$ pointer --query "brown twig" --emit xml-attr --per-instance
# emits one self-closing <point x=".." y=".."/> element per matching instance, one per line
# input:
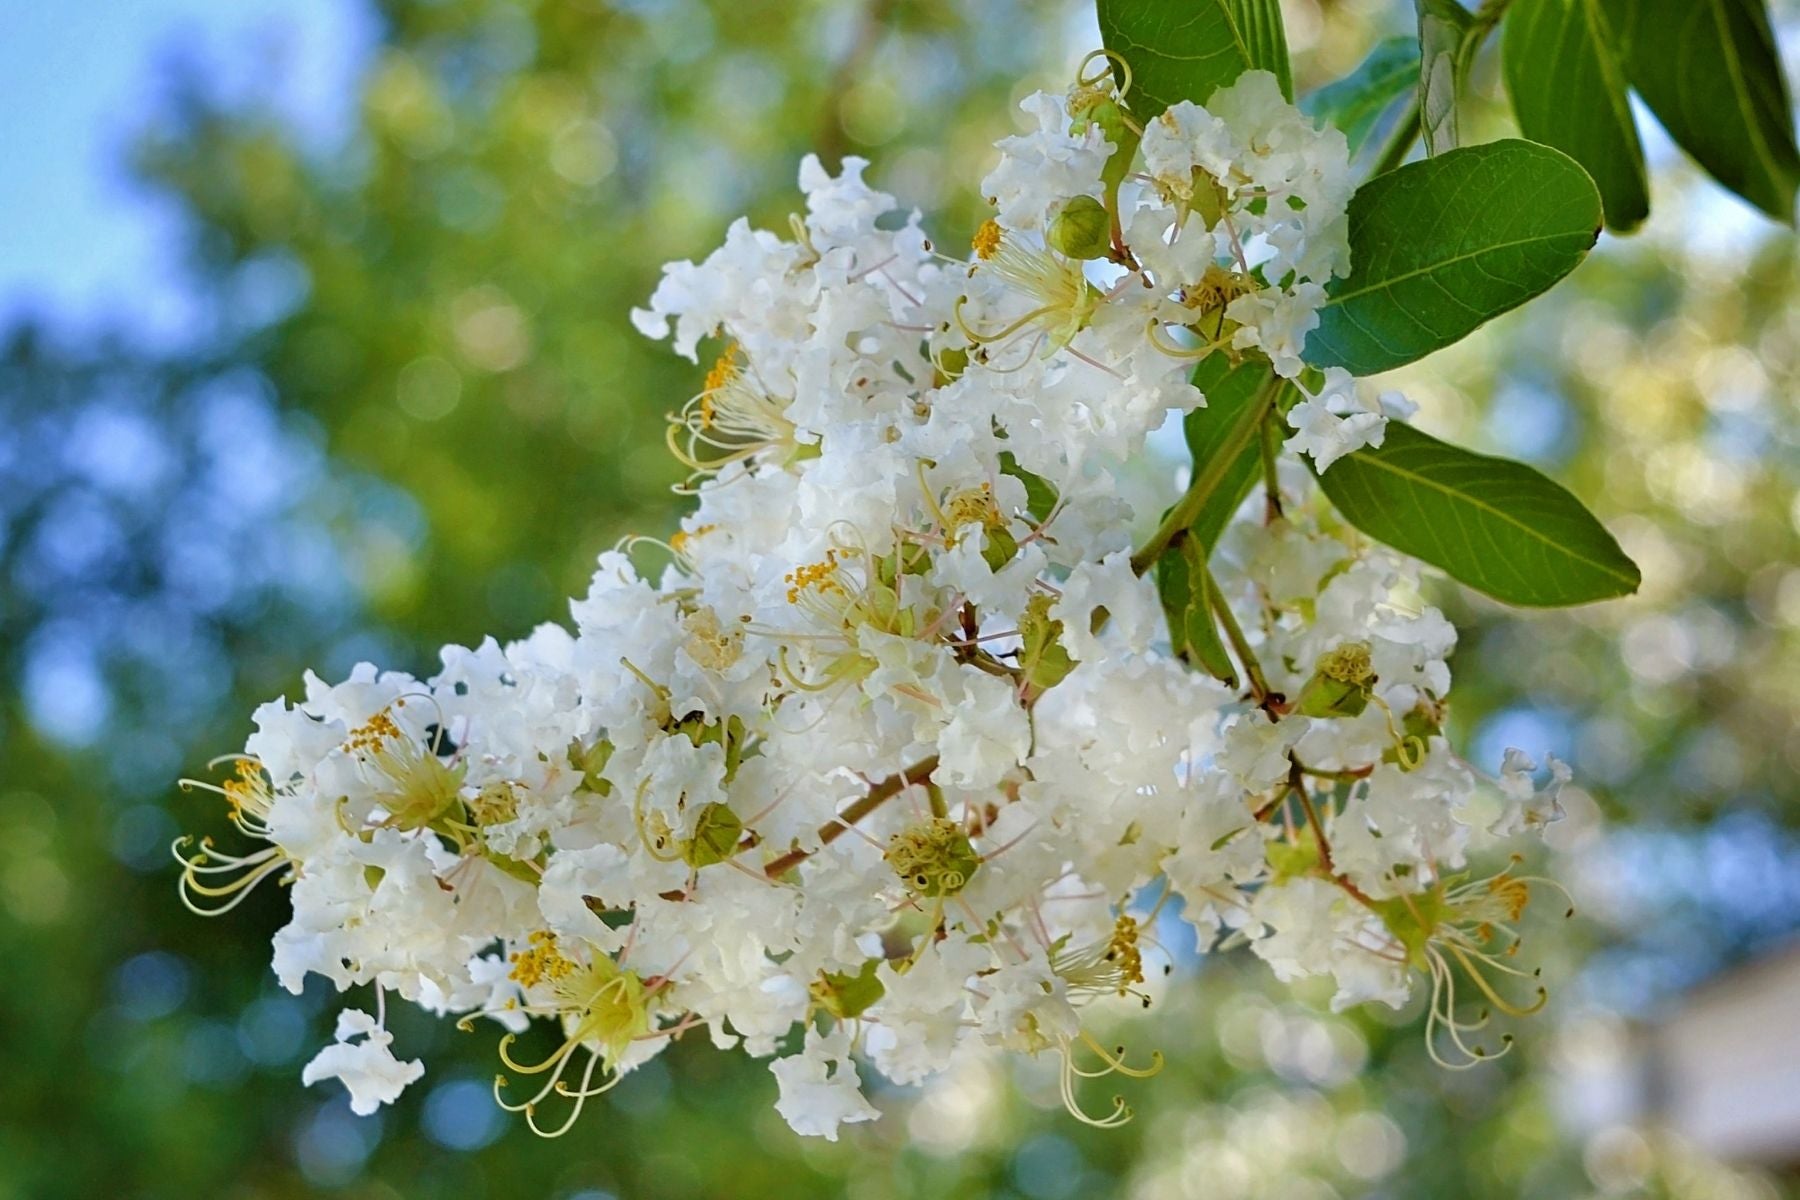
<point x="1297" y="784"/>
<point x="877" y="795"/>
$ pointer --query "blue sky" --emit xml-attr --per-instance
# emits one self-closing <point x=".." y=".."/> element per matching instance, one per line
<point x="79" y="244"/>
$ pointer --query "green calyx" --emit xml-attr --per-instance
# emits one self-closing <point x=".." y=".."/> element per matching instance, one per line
<point x="728" y="733"/>
<point x="1042" y="657"/>
<point x="1295" y="859"/>
<point x="591" y="762"/>
<point x="1412" y="920"/>
<point x="1417" y="728"/>
<point x="933" y="859"/>
<point x="1341" y="684"/>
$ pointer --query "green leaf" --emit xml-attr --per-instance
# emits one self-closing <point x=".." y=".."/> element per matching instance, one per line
<point x="1182" y="580"/>
<point x="1501" y="527"/>
<point x="847" y="996"/>
<point x="1442" y="245"/>
<point x="1040" y="493"/>
<point x="1568" y="91"/>
<point x="1042" y="656"/>
<point x="1188" y="49"/>
<point x="1710" y="72"/>
<point x="1445" y="47"/>
<point x="1354" y="104"/>
<point x="1185" y="587"/>
<point x="1229" y="391"/>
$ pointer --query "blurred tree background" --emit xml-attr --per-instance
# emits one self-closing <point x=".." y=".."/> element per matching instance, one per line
<point x="418" y="412"/>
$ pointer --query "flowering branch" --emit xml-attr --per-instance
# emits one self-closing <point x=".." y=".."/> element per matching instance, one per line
<point x="894" y="465"/>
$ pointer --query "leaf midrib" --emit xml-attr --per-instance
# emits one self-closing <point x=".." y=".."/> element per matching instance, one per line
<point x="1368" y="460"/>
<point x="1443" y="263"/>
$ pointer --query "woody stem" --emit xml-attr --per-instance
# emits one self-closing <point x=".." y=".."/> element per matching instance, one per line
<point x="877" y="795"/>
<point x="1240" y="645"/>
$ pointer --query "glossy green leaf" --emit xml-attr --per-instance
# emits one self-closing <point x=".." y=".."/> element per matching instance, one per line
<point x="1499" y="526"/>
<point x="1444" y="49"/>
<point x="1040" y="493"/>
<point x="1185" y="587"/>
<point x="1439" y="246"/>
<point x="1187" y="49"/>
<point x="1354" y="104"/>
<point x="1710" y="71"/>
<point x="1217" y="431"/>
<point x="1568" y="91"/>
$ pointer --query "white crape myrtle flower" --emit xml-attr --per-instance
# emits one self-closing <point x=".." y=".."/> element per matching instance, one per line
<point x="1528" y="806"/>
<point x="819" y="1087"/>
<point x="1338" y="417"/>
<point x="890" y="742"/>
<point x="1044" y="169"/>
<point x="1265" y="194"/>
<point x="367" y="1068"/>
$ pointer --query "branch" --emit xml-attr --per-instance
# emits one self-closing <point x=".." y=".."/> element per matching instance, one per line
<point x="1268" y="437"/>
<point x="1207" y="481"/>
<point x="877" y="795"/>
<point x="1273" y="703"/>
<point x="1297" y="785"/>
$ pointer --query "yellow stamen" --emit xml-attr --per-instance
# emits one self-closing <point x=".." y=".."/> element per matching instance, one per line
<point x="987" y="239"/>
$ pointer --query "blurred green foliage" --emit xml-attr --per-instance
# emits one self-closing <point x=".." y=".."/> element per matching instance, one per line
<point x="418" y="414"/>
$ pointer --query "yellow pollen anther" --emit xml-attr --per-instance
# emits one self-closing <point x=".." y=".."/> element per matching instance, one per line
<point x="819" y="576"/>
<point x="373" y="732"/>
<point x="709" y="643"/>
<point x="987" y="239"/>
<point x="1347" y="664"/>
<point x="540" y="961"/>
<point x="934" y="858"/>
<point x="723" y="370"/>
<point x="1218" y="287"/>
<point x="973" y="506"/>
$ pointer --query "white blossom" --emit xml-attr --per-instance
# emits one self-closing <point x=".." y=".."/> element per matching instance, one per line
<point x="367" y="1068"/>
<point x="892" y="738"/>
<point x="819" y="1087"/>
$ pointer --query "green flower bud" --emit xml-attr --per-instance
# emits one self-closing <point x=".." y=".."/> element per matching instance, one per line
<point x="1094" y="108"/>
<point x="1083" y="229"/>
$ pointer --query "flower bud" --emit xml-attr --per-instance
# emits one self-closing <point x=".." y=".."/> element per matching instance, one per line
<point x="1096" y="108"/>
<point x="1082" y="229"/>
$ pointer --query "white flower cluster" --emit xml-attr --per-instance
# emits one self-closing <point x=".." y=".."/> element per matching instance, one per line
<point x="892" y="758"/>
